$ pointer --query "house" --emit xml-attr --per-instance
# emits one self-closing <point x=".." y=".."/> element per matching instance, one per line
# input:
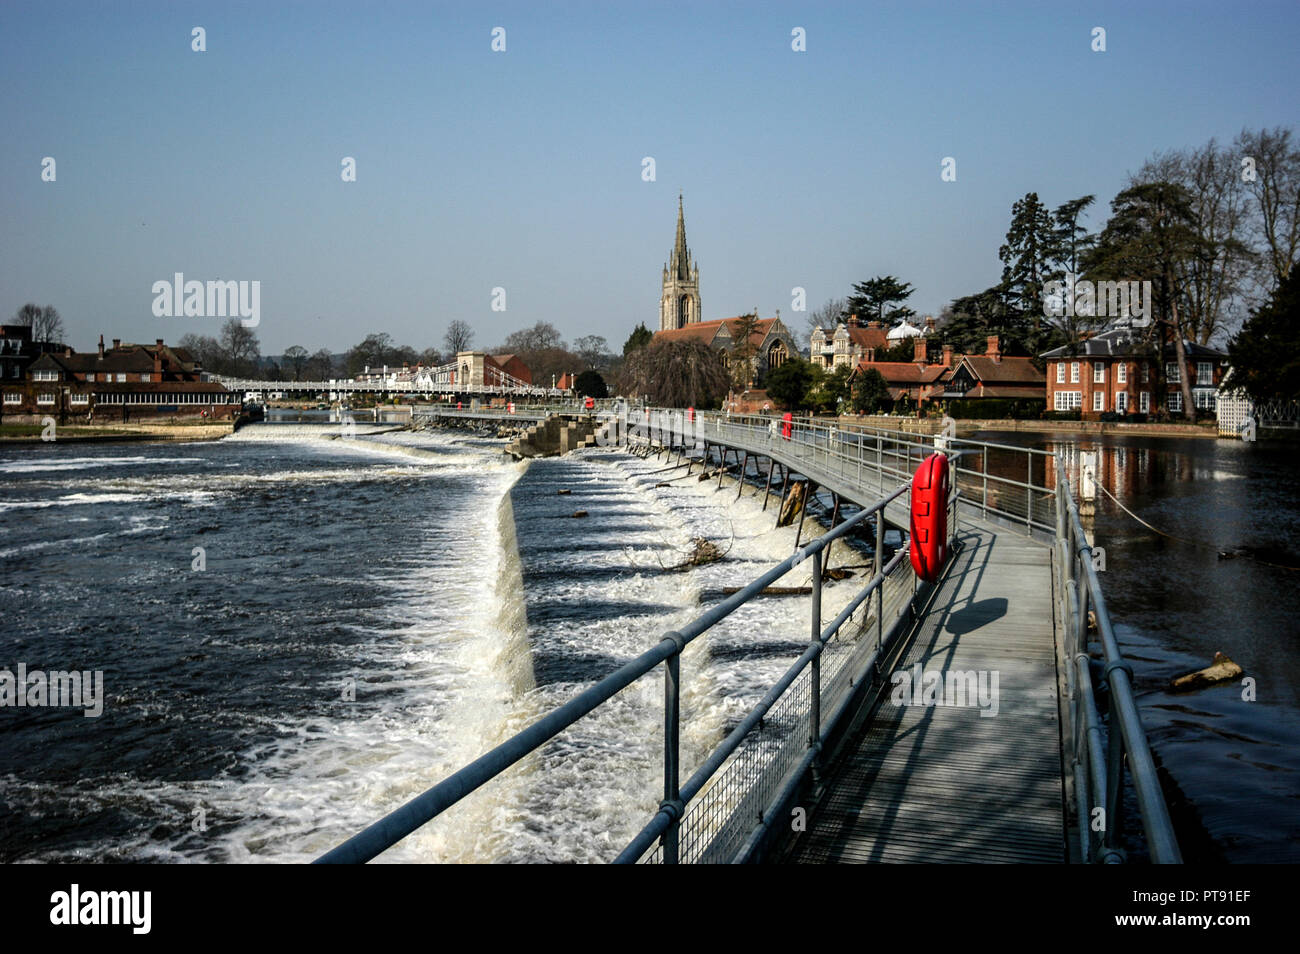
<point x="1116" y="371"/>
<point x="18" y="350"/>
<point x="848" y="344"/>
<point x="127" y="381"/>
<point x="994" y="375"/>
<point x="913" y="381"/>
<point x="772" y="342"/>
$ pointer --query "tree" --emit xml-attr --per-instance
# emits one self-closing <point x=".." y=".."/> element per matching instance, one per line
<point x="458" y="338"/>
<point x="593" y="349"/>
<point x="1026" y="258"/>
<point x="46" y="325"/>
<point x="789" y="384"/>
<point x="639" y="338"/>
<point x="830" y="389"/>
<point x="1218" y="263"/>
<point x="874" y="298"/>
<point x="870" y="392"/>
<point x="204" y="349"/>
<point x="590" y="383"/>
<point x="431" y="357"/>
<point x="539" y="337"/>
<point x="1150" y="236"/>
<point x="372" y="352"/>
<point x="239" y="347"/>
<point x="682" y="373"/>
<point x="827" y="316"/>
<point x="1070" y="244"/>
<point x="743" y="349"/>
<point x="295" y="357"/>
<point x="1275" y="188"/>
<point x="322" y="365"/>
<point x="1265" y="353"/>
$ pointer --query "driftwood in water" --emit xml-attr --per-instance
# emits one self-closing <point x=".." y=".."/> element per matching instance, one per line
<point x="579" y="513"/>
<point x="1222" y="669"/>
<point x="793" y="504"/>
<point x="771" y="590"/>
<point x="702" y="552"/>
<point x="563" y="493"/>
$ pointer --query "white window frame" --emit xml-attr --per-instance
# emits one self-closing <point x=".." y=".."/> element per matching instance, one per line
<point x="1175" y="402"/>
<point x="1205" y="399"/>
<point x="1099" y="372"/>
<point x="1172" y="373"/>
<point x="78" y="397"/>
<point x="1099" y="400"/>
<point x="146" y="377"/>
<point x="45" y="375"/>
<point x="1121" y="373"/>
<point x="13" y="397"/>
<point x="1060" y="372"/>
<point x="1067" y="400"/>
<point x="1121" y="402"/>
<point x="45" y="398"/>
<point x="1074" y="372"/>
<point x="1144" y="402"/>
<point x="1146" y="373"/>
<point x="121" y="377"/>
<point x="1204" y="373"/>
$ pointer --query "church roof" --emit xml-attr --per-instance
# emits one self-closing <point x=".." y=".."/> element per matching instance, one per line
<point x="709" y="331"/>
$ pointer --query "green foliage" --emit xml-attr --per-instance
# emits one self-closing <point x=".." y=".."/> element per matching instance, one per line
<point x="641" y="337"/>
<point x="590" y="383"/>
<point x="829" y="388"/>
<point x="1265" y="354"/>
<point x="870" y="393"/>
<point x="876" y="298"/>
<point x="789" y="384"/>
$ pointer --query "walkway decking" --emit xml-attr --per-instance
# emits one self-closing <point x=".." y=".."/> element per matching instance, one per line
<point x="945" y="784"/>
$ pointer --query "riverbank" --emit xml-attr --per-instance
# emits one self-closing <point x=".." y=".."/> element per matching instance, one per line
<point x="74" y="433"/>
<point x="933" y="425"/>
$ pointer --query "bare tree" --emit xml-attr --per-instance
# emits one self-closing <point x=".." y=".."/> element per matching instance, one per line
<point x="46" y="325"/>
<point x="204" y="349"/>
<point x="321" y="365"/>
<point x="240" y="348"/>
<point x="593" y="349"/>
<point x="295" y="356"/>
<point x="540" y="337"/>
<point x="827" y="316"/>
<point x="1273" y="179"/>
<point x="1217" y="266"/>
<point x="458" y="338"/>
<point x="686" y="373"/>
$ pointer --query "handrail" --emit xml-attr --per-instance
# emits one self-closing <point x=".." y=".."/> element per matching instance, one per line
<point x="1098" y="774"/>
<point x="395" y="826"/>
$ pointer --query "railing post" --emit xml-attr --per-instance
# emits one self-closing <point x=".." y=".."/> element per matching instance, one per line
<point x="1029" y="492"/>
<point x="672" y="748"/>
<point x="984" y="468"/>
<point x="880" y="588"/>
<point x="1114" y="769"/>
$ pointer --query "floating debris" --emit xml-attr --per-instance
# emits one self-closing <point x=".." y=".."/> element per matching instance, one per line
<point x="1222" y="669"/>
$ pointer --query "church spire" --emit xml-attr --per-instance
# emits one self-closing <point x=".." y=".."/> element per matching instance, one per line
<point x="681" y="260"/>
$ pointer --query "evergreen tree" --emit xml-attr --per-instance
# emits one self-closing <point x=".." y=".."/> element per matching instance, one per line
<point x="639" y="338"/>
<point x="876" y="298"/>
<point x="1266" y="351"/>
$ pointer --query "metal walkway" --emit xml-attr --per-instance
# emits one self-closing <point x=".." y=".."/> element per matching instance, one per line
<point x="944" y="783"/>
<point x="1044" y="780"/>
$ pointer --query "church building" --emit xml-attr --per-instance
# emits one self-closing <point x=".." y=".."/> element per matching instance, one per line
<point x="679" y="305"/>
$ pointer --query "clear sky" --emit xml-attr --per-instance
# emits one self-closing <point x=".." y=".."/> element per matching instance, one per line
<point x="523" y="169"/>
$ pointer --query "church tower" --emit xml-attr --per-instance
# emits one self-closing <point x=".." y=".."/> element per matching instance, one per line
<point x="679" y="305"/>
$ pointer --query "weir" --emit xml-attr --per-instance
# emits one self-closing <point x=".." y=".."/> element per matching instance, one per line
<point x="834" y="763"/>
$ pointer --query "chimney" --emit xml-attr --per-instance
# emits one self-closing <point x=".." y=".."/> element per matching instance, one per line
<point x="929" y="324"/>
<point x="993" y="351"/>
<point x="160" y="342"/>
<point x="117" y="343"/>
<point x="101" y="346"/>
<point x="947" y="356"/>
<point x="919" y="350"/>
<point x="871" y="354"/>
<point x="853" y="321"/>
<point x="873" y="323"/>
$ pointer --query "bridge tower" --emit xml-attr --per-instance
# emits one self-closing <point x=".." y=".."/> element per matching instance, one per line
<point x="679" y="303"/>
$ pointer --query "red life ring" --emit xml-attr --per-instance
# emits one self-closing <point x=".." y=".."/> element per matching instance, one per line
<point x="929" y="523"/>
<point x="787" y="425"/>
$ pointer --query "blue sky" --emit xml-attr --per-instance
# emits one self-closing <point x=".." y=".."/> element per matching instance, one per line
<point x="522" y="169"/>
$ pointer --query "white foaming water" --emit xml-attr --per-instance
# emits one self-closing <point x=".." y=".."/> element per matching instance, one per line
<point x="86" y="463"/>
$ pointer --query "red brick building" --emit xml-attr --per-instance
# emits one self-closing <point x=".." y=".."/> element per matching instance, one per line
<point x="958" y="377"/>
<point x="125" y="382"/>
<point x="1117" y="372"/>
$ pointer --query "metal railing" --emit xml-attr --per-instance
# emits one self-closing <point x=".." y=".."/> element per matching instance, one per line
<point x="766" y="762"/>
<point x="1097" y="752"/>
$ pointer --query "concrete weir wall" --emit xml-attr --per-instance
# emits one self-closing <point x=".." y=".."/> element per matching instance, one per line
<point x="553" y="436"/>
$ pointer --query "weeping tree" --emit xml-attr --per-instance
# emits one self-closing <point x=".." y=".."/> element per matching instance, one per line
<point x="686" y="373"/>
